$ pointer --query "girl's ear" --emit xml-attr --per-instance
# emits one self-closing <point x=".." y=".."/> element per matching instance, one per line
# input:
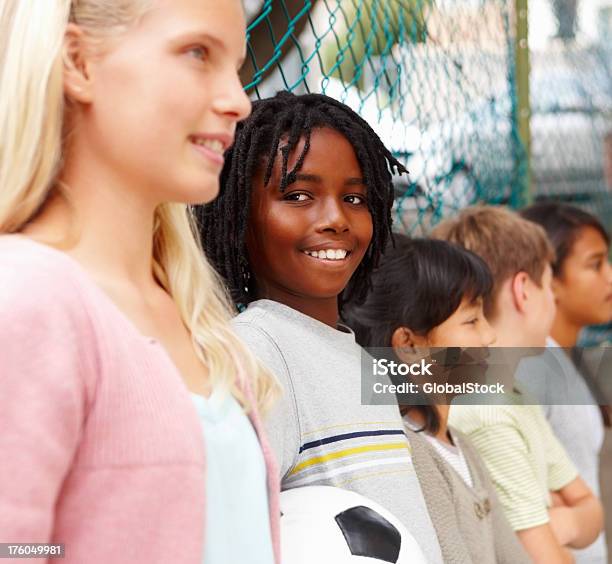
<point x="77" y="76"/>
<point x="407" y="345"/>
<point x="402" y="337"/>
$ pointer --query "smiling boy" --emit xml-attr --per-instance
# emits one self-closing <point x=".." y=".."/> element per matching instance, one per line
<point x="308" y="190"/>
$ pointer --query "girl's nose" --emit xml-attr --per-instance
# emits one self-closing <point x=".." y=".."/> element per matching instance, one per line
<point x="489" y="334"/>
<point x="609" y="272"/>
<point x="232" y="100"/>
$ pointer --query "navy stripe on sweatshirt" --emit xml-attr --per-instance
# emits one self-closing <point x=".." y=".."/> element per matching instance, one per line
<point x="336" y="438"/>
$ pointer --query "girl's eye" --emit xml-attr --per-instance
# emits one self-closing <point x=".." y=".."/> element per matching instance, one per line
<point x="199" y="52"/>
<point x="297" y="197"/>
<point x="355" y="199"/>
<point x="472" y="321"/>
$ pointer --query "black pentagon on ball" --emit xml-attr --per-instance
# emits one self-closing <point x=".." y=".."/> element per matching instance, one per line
<point x="368" y="533"/>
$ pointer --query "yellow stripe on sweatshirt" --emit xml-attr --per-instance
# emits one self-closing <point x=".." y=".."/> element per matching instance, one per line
<point x="347" y="452"/>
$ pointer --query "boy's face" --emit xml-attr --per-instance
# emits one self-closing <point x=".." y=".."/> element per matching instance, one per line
<point x="306" y="243"/>
<point x="525" y="311"/>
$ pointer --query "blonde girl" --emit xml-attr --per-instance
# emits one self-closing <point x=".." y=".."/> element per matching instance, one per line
<point x="126" y="399"/>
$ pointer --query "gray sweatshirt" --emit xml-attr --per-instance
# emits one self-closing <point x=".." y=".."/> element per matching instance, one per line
<point x="320" y="431"/>
<point x="575" y="419"/>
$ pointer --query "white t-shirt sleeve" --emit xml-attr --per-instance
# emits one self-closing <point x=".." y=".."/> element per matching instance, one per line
<point x="281" y="422"/>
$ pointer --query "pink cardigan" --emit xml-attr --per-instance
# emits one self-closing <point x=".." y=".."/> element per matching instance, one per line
<point x="101" y="447"/>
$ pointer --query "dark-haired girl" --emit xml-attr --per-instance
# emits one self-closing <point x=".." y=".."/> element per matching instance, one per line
<point x="582" y="285"/>
<point x="304" y="213"/>
<point x="582" y="273"/>
<point x="427" y="295"/>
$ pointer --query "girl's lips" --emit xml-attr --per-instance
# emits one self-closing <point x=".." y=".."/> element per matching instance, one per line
<point x="209" y="154"/>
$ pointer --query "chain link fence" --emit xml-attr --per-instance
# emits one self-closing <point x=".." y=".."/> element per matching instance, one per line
<point x="433" y="77"/>
<point x="571" y="102"/>
<point x="438" y="81"/>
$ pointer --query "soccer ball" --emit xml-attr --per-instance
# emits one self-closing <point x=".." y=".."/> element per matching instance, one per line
<point x="327" y="525"/>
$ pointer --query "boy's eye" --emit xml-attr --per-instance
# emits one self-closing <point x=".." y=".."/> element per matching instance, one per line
<point x="199" y="52"/>
<point x="297" y="197"/>
<point x="355" y="199"/>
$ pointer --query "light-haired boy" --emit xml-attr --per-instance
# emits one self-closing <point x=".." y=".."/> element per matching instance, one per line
<point x="547" y="503"/>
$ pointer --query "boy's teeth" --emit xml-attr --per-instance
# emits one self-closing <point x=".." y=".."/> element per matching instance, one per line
<point x="329" y="254"/>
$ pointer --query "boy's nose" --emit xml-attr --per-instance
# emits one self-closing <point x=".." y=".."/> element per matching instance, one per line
<point x="333" y="218"/>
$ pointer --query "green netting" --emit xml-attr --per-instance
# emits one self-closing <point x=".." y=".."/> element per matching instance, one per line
<point x="435" y="78"/>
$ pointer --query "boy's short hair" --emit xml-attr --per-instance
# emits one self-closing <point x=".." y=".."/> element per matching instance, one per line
<point x="508" y="243"/>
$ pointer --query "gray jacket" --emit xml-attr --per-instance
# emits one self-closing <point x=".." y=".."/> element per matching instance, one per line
<point x="470" y="522"/>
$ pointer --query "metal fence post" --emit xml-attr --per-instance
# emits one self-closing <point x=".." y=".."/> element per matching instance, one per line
<point x="522" y="107"/>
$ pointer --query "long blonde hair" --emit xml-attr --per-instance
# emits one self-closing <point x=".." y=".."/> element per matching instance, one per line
<point x="32" y="111"/>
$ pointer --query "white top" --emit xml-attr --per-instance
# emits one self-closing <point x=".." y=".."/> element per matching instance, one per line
<point x="237" y="521"/>
<point x="453" y="456"/>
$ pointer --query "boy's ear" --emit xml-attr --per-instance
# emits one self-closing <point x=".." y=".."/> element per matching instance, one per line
<point x="77" y="75"/>
<point x="519" y="289"/>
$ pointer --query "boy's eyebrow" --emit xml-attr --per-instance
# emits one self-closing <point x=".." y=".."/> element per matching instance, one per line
<point x="355" y="181"/>
<point x="316" y="178"/>
<point x="308" y="177"/>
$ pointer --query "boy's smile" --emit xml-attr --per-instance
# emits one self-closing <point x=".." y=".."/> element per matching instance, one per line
<point x="304" y="244"/>
<point x="328" y="254"/>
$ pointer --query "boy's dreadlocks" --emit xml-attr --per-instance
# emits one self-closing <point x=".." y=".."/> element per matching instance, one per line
<point x="287" y="118"/>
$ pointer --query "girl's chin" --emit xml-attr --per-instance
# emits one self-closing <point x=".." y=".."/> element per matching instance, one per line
<point x="202" y="194"/>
